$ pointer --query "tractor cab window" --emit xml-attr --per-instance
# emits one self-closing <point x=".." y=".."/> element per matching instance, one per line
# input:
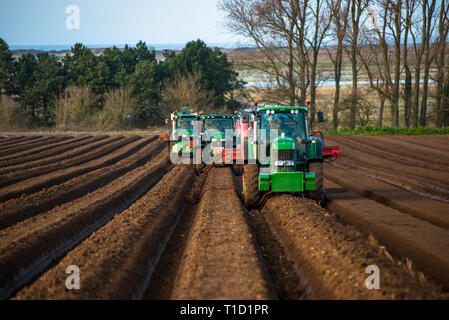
<point x="185" y="123"/>
<point x="288" y="124"/>
<point x="220" y="124"/>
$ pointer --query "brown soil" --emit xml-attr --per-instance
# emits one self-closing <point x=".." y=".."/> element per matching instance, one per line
<point x="139" y="227"/>
<point x="332" y="258"/>
<point x="434" y="211"/>
<point x="83" y="164"/>
<point x="437" y="142"/>
<point x="116" y="258"/>
<point x="33" y="148"/>
<point x="28" y="247"/>
<point x="15" y="210"/>
<point x="405" y="236"/>
<point x="130" y="148"/>
<point x="280" y="267"/>
<point x="48" y="156"/>
<point x="163" y="278"/>
<point x="415" y="181"/>
<point x="16" y="175"/>
<point x="397" y="157"/>
<point x="391" y="146"/>
<point x="17" y="141"/>
<point x="30" y="147"/>
<point x="221" y="260"/>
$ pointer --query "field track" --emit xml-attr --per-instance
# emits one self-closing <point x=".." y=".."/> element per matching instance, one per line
<point x="138" y="227"/>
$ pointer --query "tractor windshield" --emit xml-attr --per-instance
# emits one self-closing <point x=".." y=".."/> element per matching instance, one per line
<point x="288" y="123"/>
<point x="220" y="124"/>
<point x="185" y="123"/>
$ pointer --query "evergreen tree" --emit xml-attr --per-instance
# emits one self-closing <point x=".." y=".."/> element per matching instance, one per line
<point x="213" y="65"/>
<point x="7" y="69"/>
<point x="41" y="81"/>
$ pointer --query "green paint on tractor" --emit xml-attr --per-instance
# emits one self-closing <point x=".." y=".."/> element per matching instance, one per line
<point x="287" y="181"/>
<point x="294" y="163"/>
<point x="283" y="144"/>
<point x="182" y="132"/>
<point x="215" y="128"/>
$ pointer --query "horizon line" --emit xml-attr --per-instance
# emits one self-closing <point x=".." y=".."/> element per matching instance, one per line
<point x="110" y="45"/>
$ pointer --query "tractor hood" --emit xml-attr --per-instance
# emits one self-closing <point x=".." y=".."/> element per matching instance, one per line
<point x="283" y="143"/>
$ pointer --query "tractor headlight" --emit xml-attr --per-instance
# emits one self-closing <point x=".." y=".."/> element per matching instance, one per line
<point x="282" y="163"/>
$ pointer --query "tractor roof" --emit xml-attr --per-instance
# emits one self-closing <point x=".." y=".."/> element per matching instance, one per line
<point x="282" y="108"/>
<point x="212" y="116"/>
<point x="185" y="115"/>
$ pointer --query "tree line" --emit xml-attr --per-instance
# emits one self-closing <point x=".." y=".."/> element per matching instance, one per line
<point x="398" y="47"/>
<point x="118" y="88"/>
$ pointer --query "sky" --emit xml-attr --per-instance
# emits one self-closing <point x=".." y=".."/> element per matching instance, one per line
<point x="45" y="22"/>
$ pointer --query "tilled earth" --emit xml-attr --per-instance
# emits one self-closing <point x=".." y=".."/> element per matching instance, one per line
<point x="138" y="227"/>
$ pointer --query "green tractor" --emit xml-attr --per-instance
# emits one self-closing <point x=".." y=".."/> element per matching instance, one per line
<point x="280" y="156"/>
<point x="180" y="139"/>
<point x="218" y="125"/>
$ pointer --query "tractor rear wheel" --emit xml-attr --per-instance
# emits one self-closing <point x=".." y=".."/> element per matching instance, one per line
<point x="317" y="168"/>
<point x="251" y="185"/>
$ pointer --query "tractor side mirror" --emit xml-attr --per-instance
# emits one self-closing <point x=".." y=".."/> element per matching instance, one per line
<point x="245" y="118"/>
<point x="320" y="116"/>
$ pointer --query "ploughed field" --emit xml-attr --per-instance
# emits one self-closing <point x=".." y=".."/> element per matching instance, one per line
<point x="137" y="226"/>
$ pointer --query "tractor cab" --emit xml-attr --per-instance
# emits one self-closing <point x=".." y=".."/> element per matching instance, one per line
<point x="183" y="124"/>
<point x="283" y="131"/>
<point x="280" y="156"/>
<point x="218" y="123"/>
<point x="220" y="130"/>
<point x="183" y="127"/>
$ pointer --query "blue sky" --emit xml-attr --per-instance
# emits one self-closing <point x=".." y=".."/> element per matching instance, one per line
<point x="43" y="22"/>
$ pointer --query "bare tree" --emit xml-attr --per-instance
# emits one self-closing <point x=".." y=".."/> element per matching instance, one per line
<point x="391" y="32"/>
<point x="409" y="36"/>
<point x="271" y="25"/>
<point x="428" y="26"/>
<point x="407" y="21"/>
<point x="289" y="34"/>
<point x="357" y="7"/>
<point x="339" y="18"/>
<point x="321" y="14"/>
<point x="421" y="14"/>
<point x="441" y="63"/>
<point x="396" y="33"/>
<point x="279" y="19"/>
<point x="375" y="56"/>
<point x="187" y="91"/>
<point x="445" y="100"/>
<point x="302" y="56"/>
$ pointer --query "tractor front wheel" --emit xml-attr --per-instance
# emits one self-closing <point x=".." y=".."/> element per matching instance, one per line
<point x="317" y="168"/>
<point x="251" y="185"/>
